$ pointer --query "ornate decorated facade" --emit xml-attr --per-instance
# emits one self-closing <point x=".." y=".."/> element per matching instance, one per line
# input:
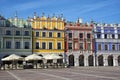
<point x="79" y="44"/>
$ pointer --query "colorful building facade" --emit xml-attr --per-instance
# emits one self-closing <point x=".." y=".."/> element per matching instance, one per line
<point x="48" y="35"/>
<point x="15" y="39"/>
<point x="79" y="44"/>
<point x="107" y="44"/>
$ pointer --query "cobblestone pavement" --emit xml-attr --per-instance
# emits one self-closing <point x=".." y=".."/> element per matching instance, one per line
<point x="74" y="73"/>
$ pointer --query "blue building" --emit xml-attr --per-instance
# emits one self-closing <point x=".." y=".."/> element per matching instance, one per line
<point x="107" y="44"/>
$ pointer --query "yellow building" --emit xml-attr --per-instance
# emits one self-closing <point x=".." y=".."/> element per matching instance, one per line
<point x="48" y="35"/>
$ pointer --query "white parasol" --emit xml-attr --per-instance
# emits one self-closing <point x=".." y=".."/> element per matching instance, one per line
<point x="12" y="57"/>
<point x="33" y="57"/>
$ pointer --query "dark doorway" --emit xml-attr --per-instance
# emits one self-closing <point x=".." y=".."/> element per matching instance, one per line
<point x="81" y="60"/>
<point x="90" y="60"/>
<point x="110" y="60"/>
<point x="100" y="60"/>
<point x="71" y="60"/>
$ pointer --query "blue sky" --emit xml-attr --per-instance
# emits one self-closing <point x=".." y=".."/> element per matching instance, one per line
<point x="101" y="11"/>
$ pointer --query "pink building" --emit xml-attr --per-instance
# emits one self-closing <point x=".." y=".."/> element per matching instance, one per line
<point x="79" y="44"/>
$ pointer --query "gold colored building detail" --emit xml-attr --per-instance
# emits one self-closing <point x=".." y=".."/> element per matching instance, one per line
<point x="48" y="34"/>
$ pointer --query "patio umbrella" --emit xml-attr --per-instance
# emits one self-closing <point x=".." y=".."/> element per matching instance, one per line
<point x="12" y="57"/>
<point x="33" y="57"/>
<point x="52" y="56"/>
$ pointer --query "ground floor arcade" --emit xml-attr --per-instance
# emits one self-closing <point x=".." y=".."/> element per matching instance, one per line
<point x="89" y="59"/>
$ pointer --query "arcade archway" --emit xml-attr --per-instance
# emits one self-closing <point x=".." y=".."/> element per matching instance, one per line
<point x="90" y="60"/>
<point x="100" y="60"/>
<point x="81" y="60"/>
<point x="110" y="60"/>
<point x="71" y="60"/>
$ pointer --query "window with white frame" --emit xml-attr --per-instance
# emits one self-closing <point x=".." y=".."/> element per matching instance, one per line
<point x="58" y="45"/>
<point x="43" y="45"/>
<point x="43" y="34"/>
<point x="50" y="45"/>
<point x="50" y="34"/>
<point x="99" y="46"/>
<point x="88" y="35"/>
<point x="89" y="46"/>
<point x="17" y="33"/>
<point x="58" y="35"/>
<point x="8" y="32"/>
<point x="70" y="35"/>
<point x="113" y="47"/>
<point x="81" y="46"/>
<point x="105" y="36"/>
<point x="118" y="36"/>
<point x="26" y="33"/>
<point x="17" y="45"/>
<point x="26" y="45"/>
<point x="69" y="45"/>
<point x="8" y="44"/>
<point x="81" y="35"/>
<point x="106" y="47"/>
<point x="37" y="45"/>
<point x="37" y="34"/>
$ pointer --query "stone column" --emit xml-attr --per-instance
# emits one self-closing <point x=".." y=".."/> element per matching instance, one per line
<point x="95" y="60"/>
<point x="115" y="60"/>
<point x="105" y="60"/>
<point x="76" y="60"/>
<point x="86" y="60"/>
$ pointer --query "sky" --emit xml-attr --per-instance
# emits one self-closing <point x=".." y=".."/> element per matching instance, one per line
<point x="101" y="11"/>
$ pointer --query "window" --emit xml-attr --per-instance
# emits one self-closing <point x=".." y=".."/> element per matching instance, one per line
<point x="105" y="36"/>
<point x="119" y="47"/>
<point x="99" y="46"/>
<point x="17" y="45"/>
<point x="8" y="44"/>
<point x="43" y="45"/>
<point x="81" y="46"/>
<point x="37" y="34"/>
<point x="26" y="33"/>
<point x="106" y="47"/>
<point x="70" y="35"/>
<point x="98" y="35"/>
<point x="26" y="46"/>
<point x="113" y="47"/>
<point x="50" y="34"/>
<point x="43" y="34"/>
<point x="81" y="35"/>
<point x="113" y="36"/>
<point x="59" y="45"/>
<point x="118" y="36"/>
<point x="88" y="36"/>
<point x="8" y="32"/>
<point x="37" y="45"/>
<point x="69" y="45"/>
<point x="89" y="46"/>
<point x="59" y="35"/>
<point x="50" y="45"/>
<point x="17" y="33"/>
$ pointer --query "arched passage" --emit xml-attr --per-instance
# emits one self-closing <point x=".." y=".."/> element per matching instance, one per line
<point x="110" y="60"/>
<point x="90" y="60"/>
<point x="71" y="60"/>
<point x="100" y="60"/>
<point x="81" y="60"/>
<point x="119" y="60"/>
